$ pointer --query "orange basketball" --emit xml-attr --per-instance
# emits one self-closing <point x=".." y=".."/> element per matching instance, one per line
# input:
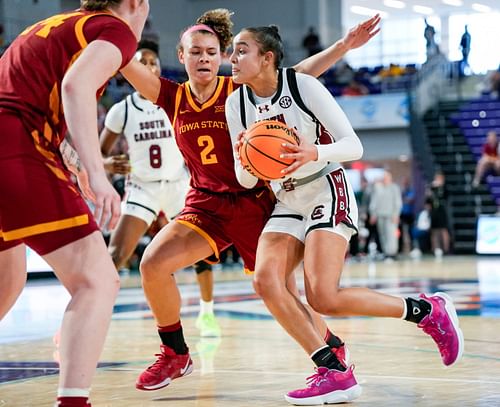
<point x="261" y="148"/>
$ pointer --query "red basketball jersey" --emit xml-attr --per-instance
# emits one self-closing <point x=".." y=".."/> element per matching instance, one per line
<point x="202" y="134"/>
<point x="32" y="68"/>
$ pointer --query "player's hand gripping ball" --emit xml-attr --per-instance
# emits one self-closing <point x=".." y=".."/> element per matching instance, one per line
<point x="262" y="146"/>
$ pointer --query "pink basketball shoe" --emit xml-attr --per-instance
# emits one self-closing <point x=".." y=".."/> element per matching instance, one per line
<point x="326" y="386"/>
<point x="442" y="325"/>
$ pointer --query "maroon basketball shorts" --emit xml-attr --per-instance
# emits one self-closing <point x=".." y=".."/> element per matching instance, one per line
<point x="229" y="218"/>
<point x="39" y="204"/>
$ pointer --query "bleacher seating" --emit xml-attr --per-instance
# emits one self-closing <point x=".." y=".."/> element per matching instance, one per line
<point x="475" y="119"/>
<point x="455" y="152"/>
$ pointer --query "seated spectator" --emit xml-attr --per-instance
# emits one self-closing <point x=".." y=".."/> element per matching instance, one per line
<point x="495" y="83"/>
<point x="355" y="88"/>
<point x="344" y="73"/>
<point x="489" y="160"/>
<point x="392" y="71"/>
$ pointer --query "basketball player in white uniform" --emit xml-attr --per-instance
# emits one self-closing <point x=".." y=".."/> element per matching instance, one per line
<point x="315" y="216"/>
<point x="158" y="180"/>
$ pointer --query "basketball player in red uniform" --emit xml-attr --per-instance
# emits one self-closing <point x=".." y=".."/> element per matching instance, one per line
<point x="50" y="77"/>
<point x="219" y="211"/>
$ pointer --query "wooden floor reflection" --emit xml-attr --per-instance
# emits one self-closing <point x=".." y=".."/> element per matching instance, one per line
<point x="254" y="362"/>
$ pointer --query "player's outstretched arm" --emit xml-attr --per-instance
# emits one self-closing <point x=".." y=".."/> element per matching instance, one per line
<point x="356" y="37"/>
<point x="142" y="79"/>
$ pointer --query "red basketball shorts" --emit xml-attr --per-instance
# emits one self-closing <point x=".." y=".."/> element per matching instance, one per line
<point x="229" y="218"/>
<point x="39" y="204"/>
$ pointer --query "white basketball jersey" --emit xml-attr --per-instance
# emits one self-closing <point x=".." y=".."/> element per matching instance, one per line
<point x="152" y="148"/>
<point x="287" y="107"/>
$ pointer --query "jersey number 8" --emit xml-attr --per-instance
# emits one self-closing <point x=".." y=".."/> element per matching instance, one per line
<point x="155" y="156"/>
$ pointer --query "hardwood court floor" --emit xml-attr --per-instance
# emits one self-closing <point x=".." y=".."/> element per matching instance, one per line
<point x="254" y="362"/>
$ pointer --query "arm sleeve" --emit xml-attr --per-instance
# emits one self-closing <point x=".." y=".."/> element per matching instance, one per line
<point x="115" y="119"/>
<point x="235" y="127"/>
<point x="318" y="99"/>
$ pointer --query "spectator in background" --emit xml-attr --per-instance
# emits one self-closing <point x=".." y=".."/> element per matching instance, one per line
<point x="372" y="242"/>
<point x="421" y="232"/>
<point x="344" y="74"/>
<point x="430" y="40"/>
<point x="385" y="208"/>
<point x="440" y="235"/>
<point x="489" y="160"/>
<point x="354" y="244"/>
<point x="494" y="83"/>
<point x="355" y="88"/>
<point x="311" y="42"/>
<point x="465" y="47"/>
<point x="407" y="217"/>
<point x="393" y="70"/>
<point x="2" y="40"/>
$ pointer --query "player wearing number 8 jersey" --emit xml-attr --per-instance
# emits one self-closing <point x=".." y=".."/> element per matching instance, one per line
<point x="50" y="76"/>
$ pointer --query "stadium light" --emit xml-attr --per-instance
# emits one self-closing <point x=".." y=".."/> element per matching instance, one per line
<point x="394" y="3"/>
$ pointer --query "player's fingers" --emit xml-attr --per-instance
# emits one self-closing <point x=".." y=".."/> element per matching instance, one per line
<point x="106" y="213"/>
<point x="288" y="147"/>
<point x="89" y="194"/>
<point x="291" y="168"/>
<point x="115" y="213"/>
<point x="98" y="207"/>
<point x="371" y="21"/>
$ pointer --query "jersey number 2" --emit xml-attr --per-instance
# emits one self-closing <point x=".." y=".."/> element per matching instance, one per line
<point x="207" y="156"/>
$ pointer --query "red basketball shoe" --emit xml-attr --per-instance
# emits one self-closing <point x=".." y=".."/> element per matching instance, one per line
<point x="72" y="402"/>
<point x="168" y="366"/>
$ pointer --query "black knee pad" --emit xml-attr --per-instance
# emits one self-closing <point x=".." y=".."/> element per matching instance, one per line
<point x="202" y="266"/>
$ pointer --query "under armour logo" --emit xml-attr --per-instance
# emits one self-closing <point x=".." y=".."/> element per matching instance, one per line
<point x="264" y="108"/>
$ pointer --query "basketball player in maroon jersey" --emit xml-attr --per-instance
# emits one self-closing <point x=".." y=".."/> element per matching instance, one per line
<point x="50" y="77"/>
<point x="219" y="211"/>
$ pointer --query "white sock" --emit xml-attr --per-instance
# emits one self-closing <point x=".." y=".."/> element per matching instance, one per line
<point x="206" y="307"/>
<point x="63" y="392"/>
<point x="317" y="350"/>
<point x="405" y="309"/>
